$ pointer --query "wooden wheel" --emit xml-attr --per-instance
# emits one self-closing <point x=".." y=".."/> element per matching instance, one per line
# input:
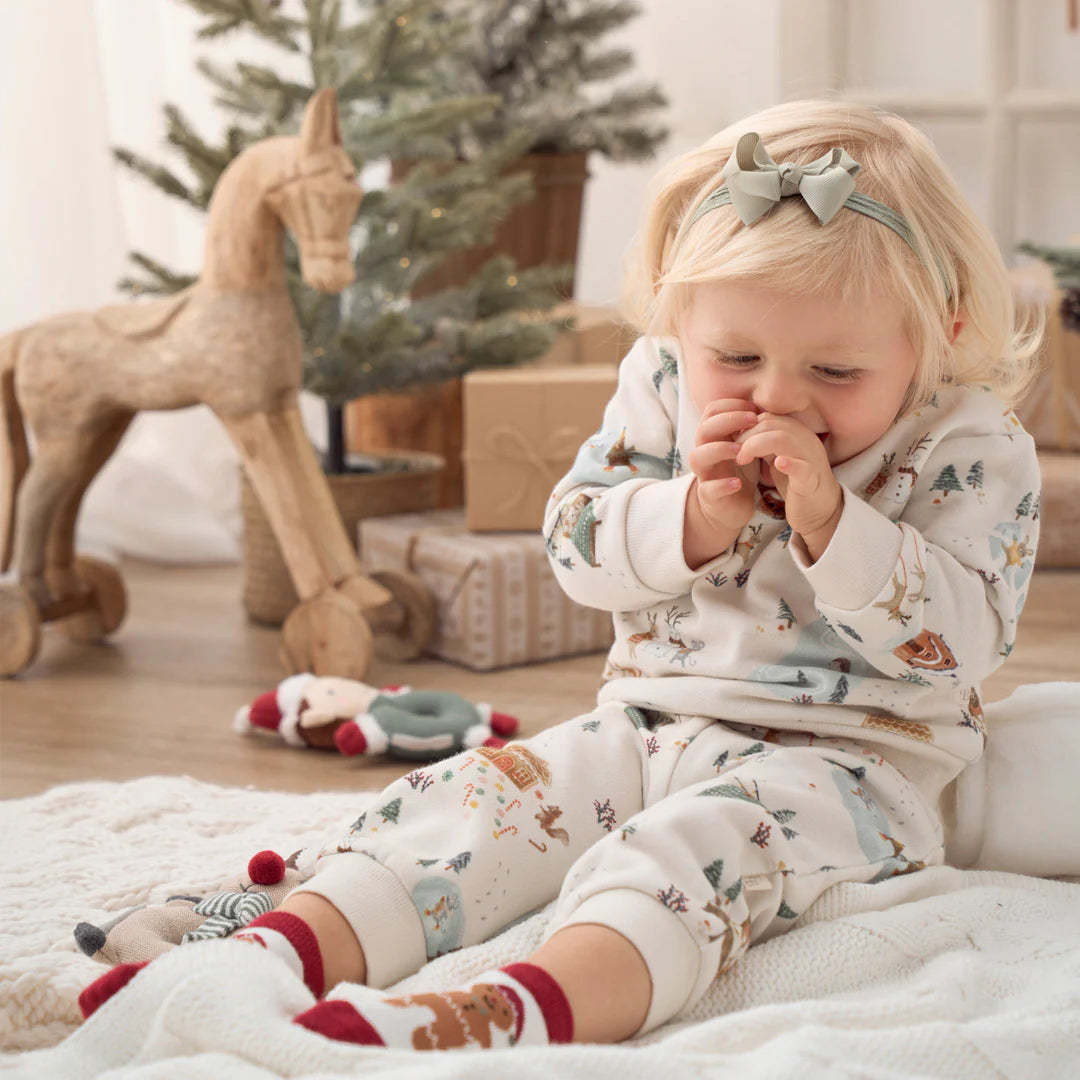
<point x="326" y="635"/>
<point x="108" y="599"/>
<point x="20" y="629"/>
<point x="404" y="627"/>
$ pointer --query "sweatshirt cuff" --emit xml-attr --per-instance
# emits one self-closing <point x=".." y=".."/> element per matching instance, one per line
<point x="379" y="910"/>
<point x="860" y="558"/>
<point x="654" y="548"/>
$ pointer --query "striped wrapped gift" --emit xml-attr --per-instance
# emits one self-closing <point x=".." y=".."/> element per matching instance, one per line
<point x="498" y="601"/>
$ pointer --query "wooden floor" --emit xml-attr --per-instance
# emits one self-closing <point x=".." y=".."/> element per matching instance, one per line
<point x="160" y="697"/>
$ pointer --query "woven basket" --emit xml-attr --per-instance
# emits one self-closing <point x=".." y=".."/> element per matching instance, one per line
<point x="402" y="482"/>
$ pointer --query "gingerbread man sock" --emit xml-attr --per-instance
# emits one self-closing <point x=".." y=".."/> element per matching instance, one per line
<point x="519" y="1003"/>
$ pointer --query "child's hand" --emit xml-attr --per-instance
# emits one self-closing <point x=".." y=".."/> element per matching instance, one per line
<point x="725" y="492"/>
<point x="801" y="471"/>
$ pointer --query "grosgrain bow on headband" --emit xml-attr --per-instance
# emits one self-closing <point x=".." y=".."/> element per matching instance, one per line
<point x="754" y="184"/>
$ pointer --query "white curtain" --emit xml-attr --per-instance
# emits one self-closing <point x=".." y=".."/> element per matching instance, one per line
<point x="78" y="77"/>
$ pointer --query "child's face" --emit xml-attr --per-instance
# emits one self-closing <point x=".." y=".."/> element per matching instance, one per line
<point x="841" y="369"/>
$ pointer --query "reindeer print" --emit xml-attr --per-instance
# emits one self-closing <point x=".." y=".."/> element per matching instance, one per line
<point x="675" y="649"/>
<point x="750" y="542"/>
<point x="892" y="605"/>
<point x="634" y="640"/>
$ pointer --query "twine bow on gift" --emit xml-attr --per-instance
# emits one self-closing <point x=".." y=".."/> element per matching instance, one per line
<point x="547" y="464"/>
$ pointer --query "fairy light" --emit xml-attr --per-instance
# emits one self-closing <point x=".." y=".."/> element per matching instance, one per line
<point x="404" y="262"/>
<point x="437" y="212"/>
<point x="511" y="280"/>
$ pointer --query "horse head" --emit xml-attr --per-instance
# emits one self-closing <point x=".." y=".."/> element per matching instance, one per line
<point x="317" y="201"/>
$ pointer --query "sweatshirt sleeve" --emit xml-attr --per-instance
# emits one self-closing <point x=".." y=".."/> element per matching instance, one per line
<point x="937" y="594"/>
<point x="614" y="524"/>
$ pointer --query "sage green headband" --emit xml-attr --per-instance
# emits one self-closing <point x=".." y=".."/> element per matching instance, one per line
<point x="754" y="184"/>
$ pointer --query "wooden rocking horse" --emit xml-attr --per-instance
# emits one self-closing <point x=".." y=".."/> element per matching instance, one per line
<point x="230" y="341"/>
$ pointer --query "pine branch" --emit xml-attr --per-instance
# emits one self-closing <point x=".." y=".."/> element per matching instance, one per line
<point x="158" y="175"/>
<point x="162" y="281"/>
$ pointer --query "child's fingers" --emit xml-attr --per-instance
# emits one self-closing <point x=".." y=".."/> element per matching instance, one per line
<point x="803" y="478"/>
<point x="704" y="459"/>
<point x="724" y="425"/>
<point x="762" y="445"/>
<point x="724" y="405"/>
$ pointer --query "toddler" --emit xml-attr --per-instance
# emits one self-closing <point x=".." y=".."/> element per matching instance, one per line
<point x="813" y="516"/>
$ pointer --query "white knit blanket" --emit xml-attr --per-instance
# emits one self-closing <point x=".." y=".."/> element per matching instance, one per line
<point x="944" y="973"/>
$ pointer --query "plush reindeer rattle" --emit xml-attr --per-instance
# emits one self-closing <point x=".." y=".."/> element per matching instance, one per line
<point x="329" y="713"/>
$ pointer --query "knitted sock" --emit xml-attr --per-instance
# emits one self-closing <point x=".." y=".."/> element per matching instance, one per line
<point x="519" y="1003"/>
<point x="289" y="937"/>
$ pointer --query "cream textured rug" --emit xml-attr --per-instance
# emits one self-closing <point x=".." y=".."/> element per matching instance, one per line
<point x="944" y="973"/>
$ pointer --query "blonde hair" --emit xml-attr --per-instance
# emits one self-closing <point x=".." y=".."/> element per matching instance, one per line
<point x="960" y="274"/>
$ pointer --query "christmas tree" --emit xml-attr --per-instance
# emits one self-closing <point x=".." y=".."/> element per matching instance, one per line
<point x="1066" y="266"/>
<point x="390" y="68"/>
<point x="544" y="59"/>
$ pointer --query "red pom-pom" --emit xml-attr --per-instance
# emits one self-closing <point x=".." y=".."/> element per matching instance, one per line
<point x="502" y="724"/>
<point x="494" y="741"/>
<point x="266" y="868"/>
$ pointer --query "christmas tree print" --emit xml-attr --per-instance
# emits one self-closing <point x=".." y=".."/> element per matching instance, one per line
<point x="721" y="761"/>
<point x="761" y="835"/>
<point x="459" y="861"/>
<point x="674" y="460"/>
<point x="756" y="748"/>
<point x="785" y="614"/>
<point x="714" y="872"/>
<point x="841" y="691"/>
<point x="732" y="892"/>
<point x="591" y="725"/>
<point x="785" y="535"/>
<point x="358" y="824"/>
<point x="1024" y="509"/>
<point x="947" y="481"/>
<point x="784" y="912"/>
<point x="974" y="478"/>
<point x="1035" y="511"/>
<point x="390" y="811"/>
<point x="716" y="578"/>
<point x="740" y="578"/>
<point x="849" y="631"/>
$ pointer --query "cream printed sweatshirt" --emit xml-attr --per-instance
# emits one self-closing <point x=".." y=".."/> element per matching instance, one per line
<point x="885" y="639"/>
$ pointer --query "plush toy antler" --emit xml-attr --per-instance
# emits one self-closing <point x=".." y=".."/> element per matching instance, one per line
<point x="330" y="713"/>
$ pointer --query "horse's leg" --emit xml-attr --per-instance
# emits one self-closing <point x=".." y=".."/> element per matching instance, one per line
<point x="326" y="633"/>
<point x="285" y="474"/>
<point x="54" y="472"/>
<point x="60" y="547"/>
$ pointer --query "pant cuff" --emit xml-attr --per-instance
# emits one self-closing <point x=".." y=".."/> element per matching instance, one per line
<point x="380" y="912"/>
<point x="669" y="950"/>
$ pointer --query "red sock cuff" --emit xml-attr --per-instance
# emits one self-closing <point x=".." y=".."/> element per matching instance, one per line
<point x="302" y="938"/>
<point x="549" y="996"/>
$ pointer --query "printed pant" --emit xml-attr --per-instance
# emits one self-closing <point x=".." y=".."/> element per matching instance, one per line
<point x="690" y="836"/>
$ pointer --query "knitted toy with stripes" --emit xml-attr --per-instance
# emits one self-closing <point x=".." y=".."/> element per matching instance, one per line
<point x="329" y="713"/>
<point x="146" y="931"/>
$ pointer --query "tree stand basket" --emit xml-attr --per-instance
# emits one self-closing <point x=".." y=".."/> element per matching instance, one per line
<point x="407" y="481"/>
